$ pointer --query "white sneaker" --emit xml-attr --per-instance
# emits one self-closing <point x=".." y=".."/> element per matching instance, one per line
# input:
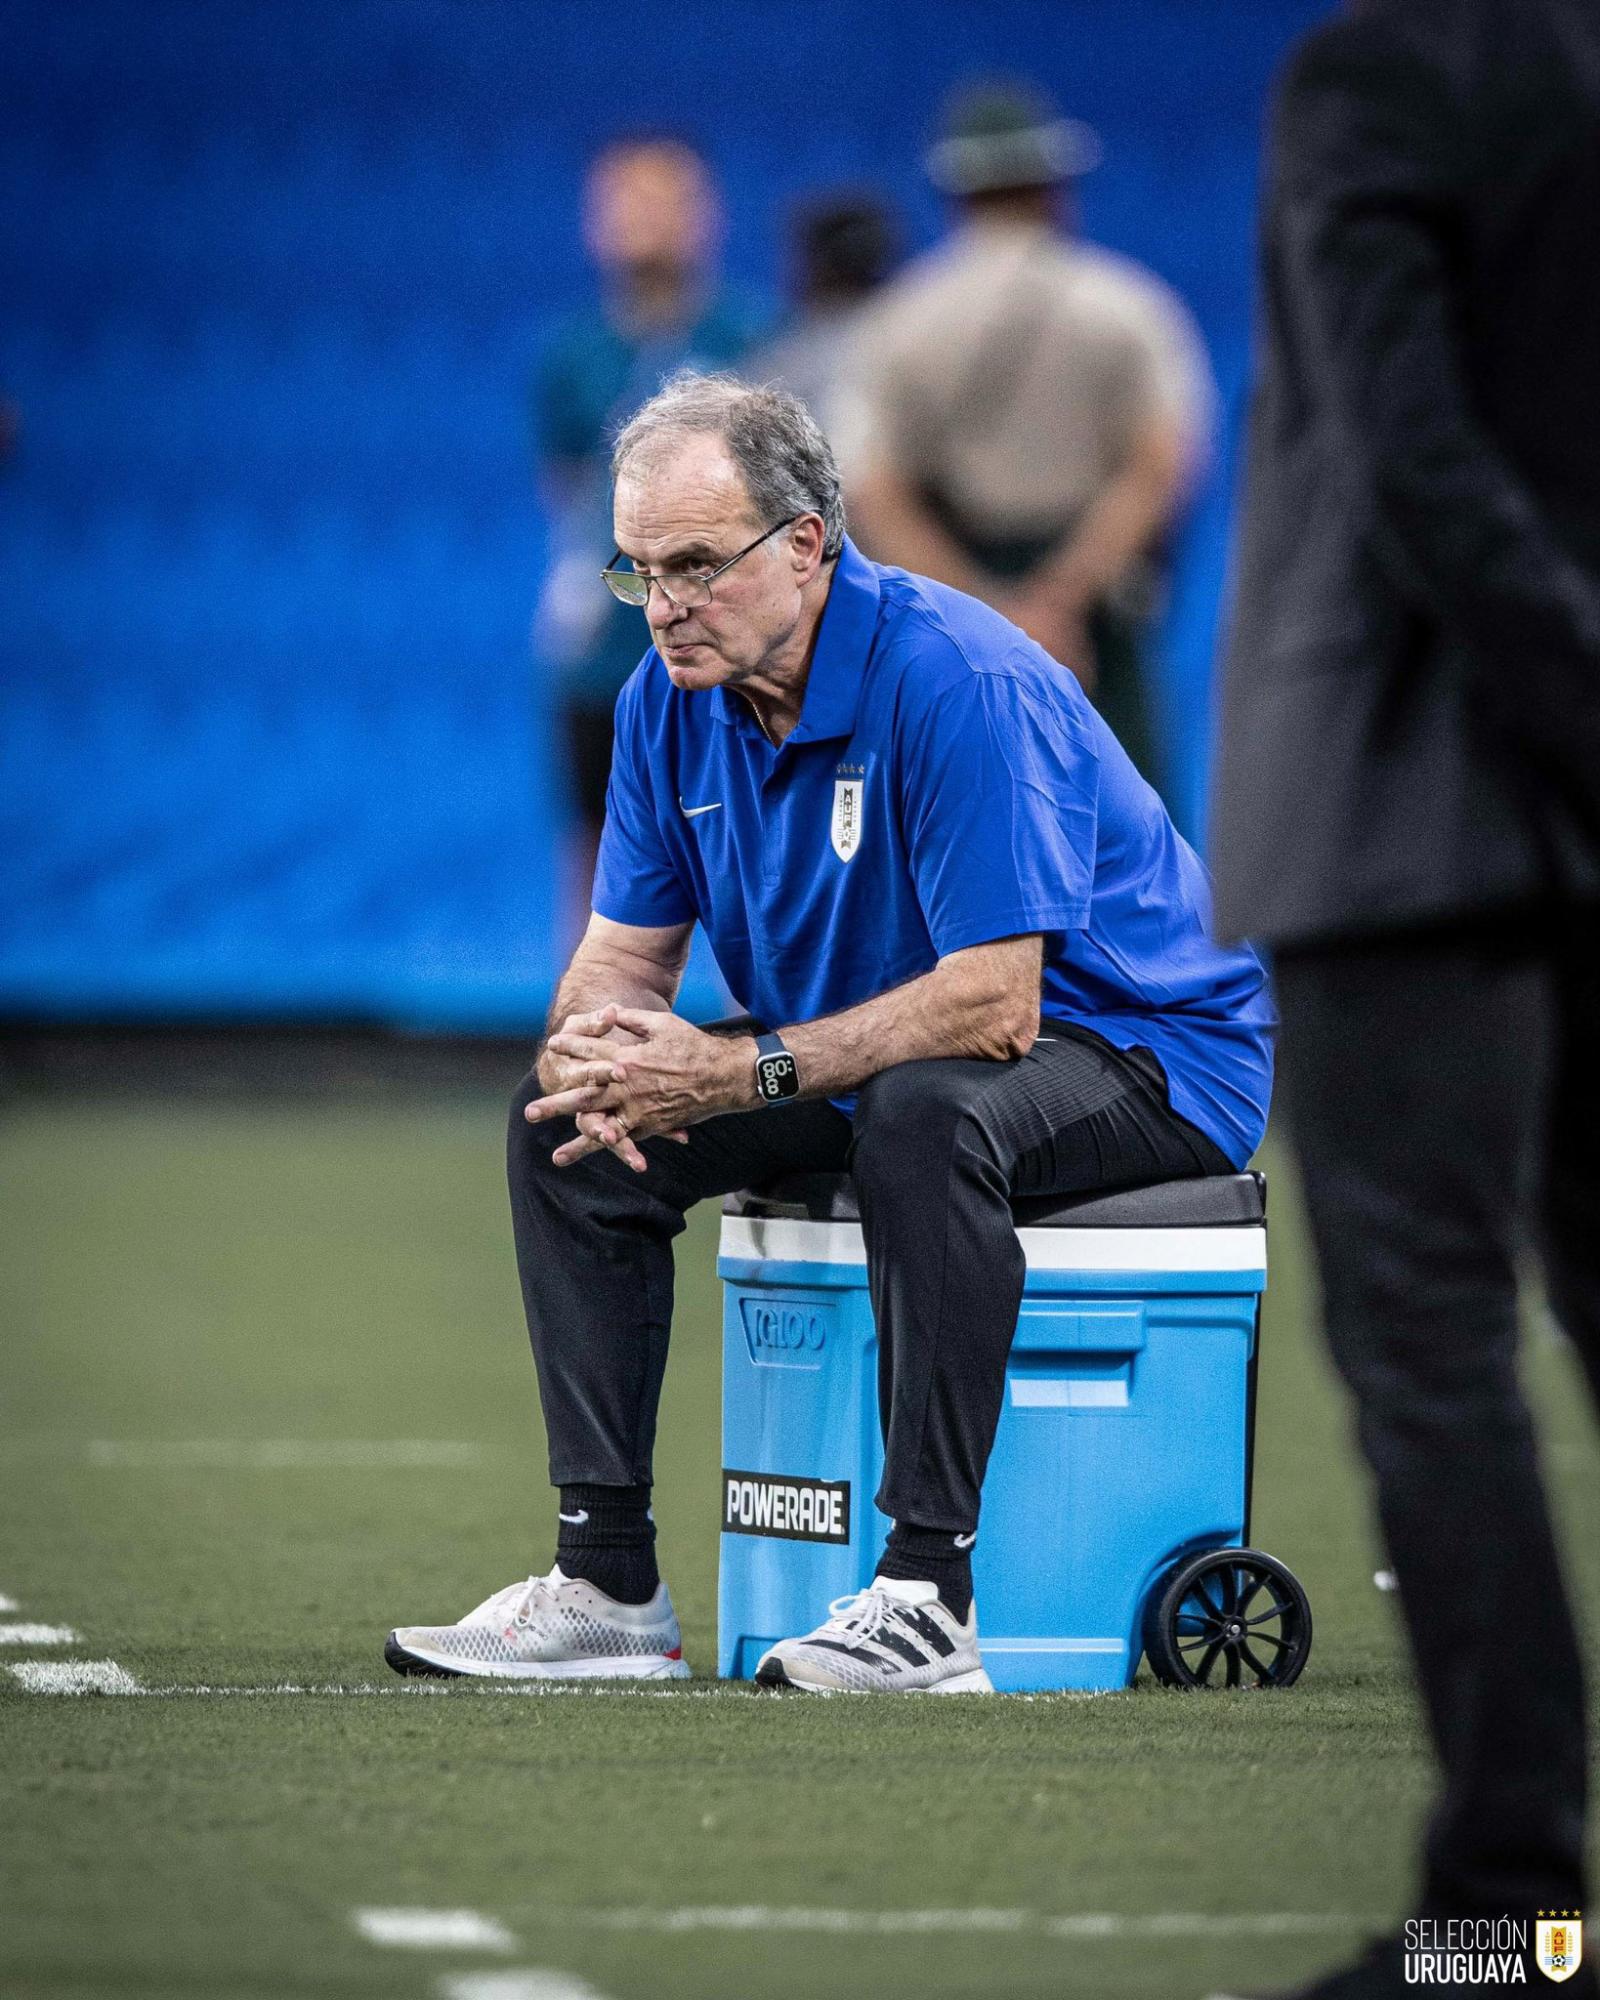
<point x="548" y="1628"/>
<point x="894" y="1637"/>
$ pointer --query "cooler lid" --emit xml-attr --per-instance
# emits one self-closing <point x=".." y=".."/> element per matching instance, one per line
<point x="1212" y="1201"/>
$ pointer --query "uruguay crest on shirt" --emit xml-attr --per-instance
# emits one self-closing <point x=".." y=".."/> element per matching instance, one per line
<point x="1558" y="1946"/>
<point x="846" y="829"/>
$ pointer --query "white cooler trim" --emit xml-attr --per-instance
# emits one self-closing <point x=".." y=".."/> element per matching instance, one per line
<point x="1051" y="1645"/>
<point x="792" y="1240"/>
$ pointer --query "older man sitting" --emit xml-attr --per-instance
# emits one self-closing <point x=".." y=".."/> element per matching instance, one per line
<point x="974" y="954"/>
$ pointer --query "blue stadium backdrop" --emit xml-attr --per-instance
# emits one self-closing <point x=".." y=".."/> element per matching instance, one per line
<point x="273" y="274"/>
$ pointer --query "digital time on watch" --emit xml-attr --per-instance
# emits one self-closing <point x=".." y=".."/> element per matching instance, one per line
<point x="777" y="1073"/>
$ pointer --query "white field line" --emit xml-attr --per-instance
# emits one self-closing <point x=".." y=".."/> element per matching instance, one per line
<point x="7" y="1603"/>
<point x="531" y="1983"/>
<point x="433" y="1930"/>
<point x="37" y="1635"/>
<point x="474" y="1689"/>
<point x="75" y="1677"/>
<point x="425" y="1690"/>
<point x="1113" y="1925"/>
<point x="285" y="1454"/>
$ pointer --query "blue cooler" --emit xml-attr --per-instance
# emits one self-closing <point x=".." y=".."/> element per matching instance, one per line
<point x="1117" y="1499"/>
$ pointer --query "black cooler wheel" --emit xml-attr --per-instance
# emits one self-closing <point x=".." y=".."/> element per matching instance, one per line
<point x="1228" y="1618"/>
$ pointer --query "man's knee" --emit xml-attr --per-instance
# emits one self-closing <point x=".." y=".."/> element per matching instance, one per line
<point x="539" y="1140"/>
<point x="530" y="1146"/>
<point x="598" y="1184"/>
<point x="907" y="1117"/>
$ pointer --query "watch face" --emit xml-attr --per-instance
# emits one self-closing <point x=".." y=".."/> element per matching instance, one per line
<point x="777" y="1076"/>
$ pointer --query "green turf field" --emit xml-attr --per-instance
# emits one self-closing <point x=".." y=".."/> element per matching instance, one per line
<point x="222" y="1323"/>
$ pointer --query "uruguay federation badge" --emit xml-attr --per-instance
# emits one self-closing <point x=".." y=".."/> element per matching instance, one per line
<point x="846" y="829"/>
<point x="1558" y="1946"/>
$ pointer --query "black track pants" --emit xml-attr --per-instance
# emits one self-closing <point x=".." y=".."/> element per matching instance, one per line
<point x="1442" y="1092"/>
<point x="935" y="1150"/>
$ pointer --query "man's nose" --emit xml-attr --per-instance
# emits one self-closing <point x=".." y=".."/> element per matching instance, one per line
<point x="660" y="609"/>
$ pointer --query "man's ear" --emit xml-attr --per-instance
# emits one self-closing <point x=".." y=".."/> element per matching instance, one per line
<point x="805" y="546"/>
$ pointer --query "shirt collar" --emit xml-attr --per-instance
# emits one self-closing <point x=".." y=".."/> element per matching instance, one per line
<point x="838" y="660"/>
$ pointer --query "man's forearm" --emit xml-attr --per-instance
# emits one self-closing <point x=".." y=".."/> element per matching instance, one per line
<point x="982" y="1004"/>
<point x="600" y="976"/>
<point x="589" y="984"/>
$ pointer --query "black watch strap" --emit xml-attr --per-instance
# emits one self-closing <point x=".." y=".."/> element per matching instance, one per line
<point x="777" y="1073"/>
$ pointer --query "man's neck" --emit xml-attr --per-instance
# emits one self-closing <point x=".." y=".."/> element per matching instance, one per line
<point x="777" y="694"/>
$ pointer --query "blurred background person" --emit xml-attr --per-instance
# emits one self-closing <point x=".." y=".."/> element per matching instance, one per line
<point x="1029" y="411"/>
<point x="1408" y="810"/>
<point x="842" y="246"/>
<point x="652" y="225"/>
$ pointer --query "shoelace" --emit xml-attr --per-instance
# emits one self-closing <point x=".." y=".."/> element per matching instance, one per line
<point x="863" y="1610"/>
<point x="537" y="1595"/>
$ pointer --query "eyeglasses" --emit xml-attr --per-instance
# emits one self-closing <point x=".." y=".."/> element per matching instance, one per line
<point x="684" y="588"/>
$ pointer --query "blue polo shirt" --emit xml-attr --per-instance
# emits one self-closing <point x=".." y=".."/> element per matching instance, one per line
<point x="947" y="784"/>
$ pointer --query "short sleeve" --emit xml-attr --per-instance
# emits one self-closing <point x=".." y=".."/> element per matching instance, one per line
<point x="1000" y="801"/>
<point x="635" y="878"/>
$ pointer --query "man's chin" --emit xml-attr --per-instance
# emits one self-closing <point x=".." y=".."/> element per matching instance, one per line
<point x="694" y="667"/>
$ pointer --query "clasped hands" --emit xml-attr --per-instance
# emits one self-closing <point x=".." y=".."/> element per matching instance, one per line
<point x="626" y="1073"/>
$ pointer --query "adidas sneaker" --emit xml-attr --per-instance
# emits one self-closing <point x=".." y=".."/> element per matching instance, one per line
<point x="553" y="1627"/>
<point x="894" y="1637"/>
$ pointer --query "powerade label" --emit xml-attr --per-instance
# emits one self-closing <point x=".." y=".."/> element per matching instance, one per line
<point x="795" y="1510"/>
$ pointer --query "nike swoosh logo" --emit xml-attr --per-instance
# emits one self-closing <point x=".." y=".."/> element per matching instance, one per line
<point x="965" y="1541"/>
<point x="694" y="812"/>
<point x="577" y="1519"/>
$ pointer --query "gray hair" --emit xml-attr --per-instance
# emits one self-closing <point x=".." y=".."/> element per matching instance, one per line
<point x="784" y="460"/>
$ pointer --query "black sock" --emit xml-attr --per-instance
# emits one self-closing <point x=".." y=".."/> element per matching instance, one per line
<point x="605" y="1535"/>
<point x="932" y="1555"/>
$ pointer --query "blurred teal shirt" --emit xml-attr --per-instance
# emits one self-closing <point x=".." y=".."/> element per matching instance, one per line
<point x="590" y="379"/>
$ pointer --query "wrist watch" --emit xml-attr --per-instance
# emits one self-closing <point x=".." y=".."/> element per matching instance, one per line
<point x="777" y="1073"/>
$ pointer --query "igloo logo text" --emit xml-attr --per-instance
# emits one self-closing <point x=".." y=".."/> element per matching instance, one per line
<point x="786" y="1333"/>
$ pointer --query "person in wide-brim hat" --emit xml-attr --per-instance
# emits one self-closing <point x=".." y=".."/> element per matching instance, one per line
<point x="1028" y="411"/>
<point x="1005" y="135"/>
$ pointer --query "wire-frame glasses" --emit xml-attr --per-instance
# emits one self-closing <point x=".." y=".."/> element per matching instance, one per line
<point x="685" y="588"/>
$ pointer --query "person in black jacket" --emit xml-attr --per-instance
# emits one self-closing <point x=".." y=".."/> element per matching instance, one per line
<point x="1408" y="811"/>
